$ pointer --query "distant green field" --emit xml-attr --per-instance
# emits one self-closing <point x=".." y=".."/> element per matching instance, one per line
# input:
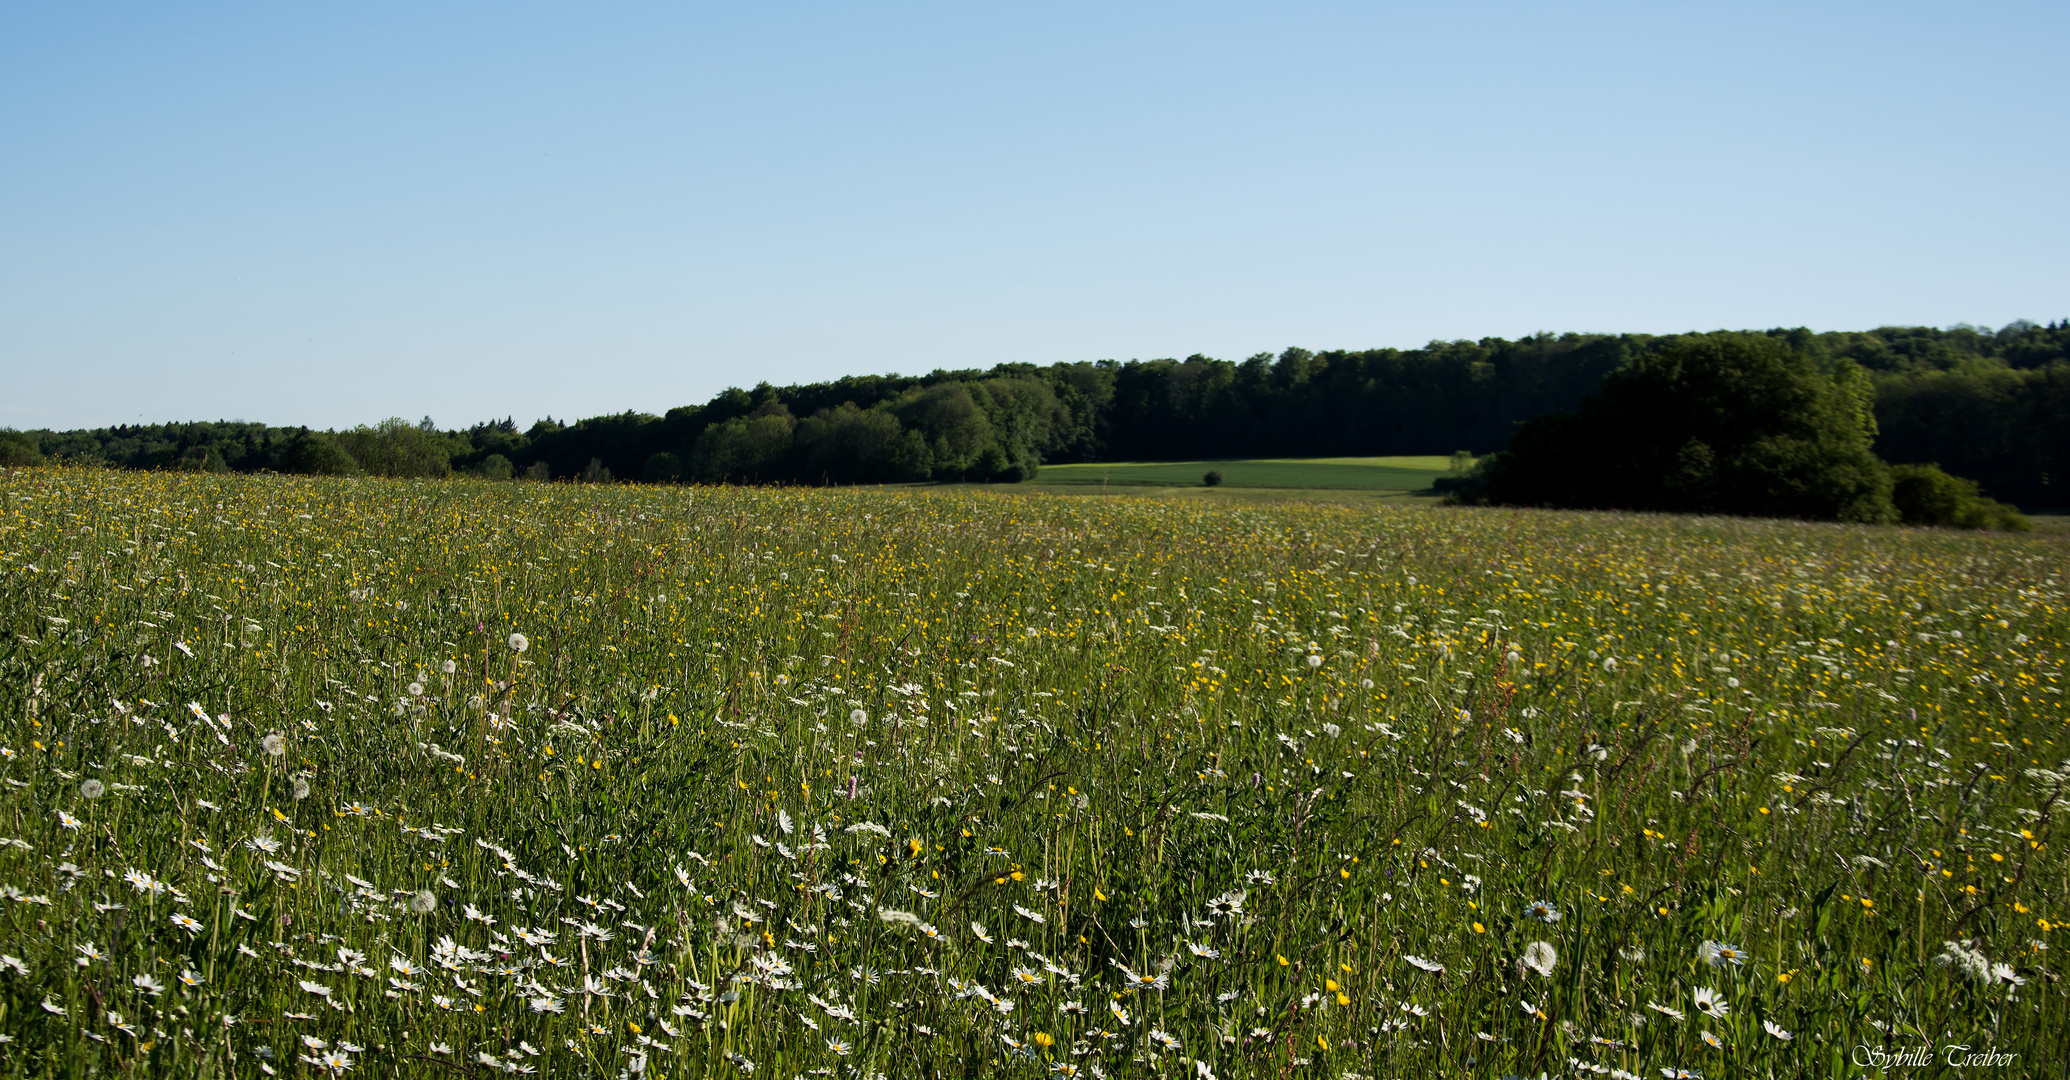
<point x="1351" y="473"/>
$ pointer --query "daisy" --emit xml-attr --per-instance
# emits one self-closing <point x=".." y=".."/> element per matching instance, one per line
<point x="1709" y="1003"/>
<point x="1777" y="1030"/>
<point x="1542" y="910"/>
<point x="1717" y="953"/>
<point x="185" y="922"/>
<point x="148" y="985"/>
<point x="978" y="930"/>
<point x="1712" y="1039"/>
<point x="1664" y="1010"/>
<point x="1427" y="965"/>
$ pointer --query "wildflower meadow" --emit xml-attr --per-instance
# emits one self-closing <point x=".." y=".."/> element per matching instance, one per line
<point x="321" y="778"/>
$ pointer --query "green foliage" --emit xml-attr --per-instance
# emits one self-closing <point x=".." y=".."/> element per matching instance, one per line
<point x="1213" y="478"/>
<point x="314" y="453"/>
<point x="744" y="449"/>
<point x="17" y="448"/>
<point x="494" y="467"/>
<point x="1924" y="495"/>
<point x="848" y="445"/>
<point x="396" y="447"/>
<point x="662" y="468"/>
<point x="1721" y="423"/>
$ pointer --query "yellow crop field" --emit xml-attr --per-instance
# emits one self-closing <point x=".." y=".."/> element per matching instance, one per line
<point x="383" y="778"/>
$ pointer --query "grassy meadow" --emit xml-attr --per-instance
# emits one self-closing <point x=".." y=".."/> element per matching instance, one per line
<point x="1399" y="474"/>
<point x="325" y="778"/>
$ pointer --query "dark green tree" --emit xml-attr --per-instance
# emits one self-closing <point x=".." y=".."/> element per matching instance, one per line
<point x="313" y="453"/>
<point x="1724" y="423"/>
<point x="17" y="448"/>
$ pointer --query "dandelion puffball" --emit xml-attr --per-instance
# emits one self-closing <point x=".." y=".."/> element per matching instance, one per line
<point x="858" y="718"/>
<point x="301" y="790"/>
<point x="423" y="902"/>
<point x="273" y="744"/>
<point x="415" y="689"/>
<point x="448" y="667"/>
<point x="519" y="643"/>
<point x="1539" y="956"/>
<point x="92" y="789"/>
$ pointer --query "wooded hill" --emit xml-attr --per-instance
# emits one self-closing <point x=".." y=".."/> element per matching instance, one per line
<point x="1982" y="403"/>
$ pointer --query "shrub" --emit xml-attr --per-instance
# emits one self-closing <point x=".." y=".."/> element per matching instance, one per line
<point x="396" y="447"/>
<point x="314" y="453"/>
<point x="662" y="467"/>
<point x="1213" y="478"/>
<point x="495" y="467"/>
<point x="1924" y="495"/>
<point x="18" y="449"/>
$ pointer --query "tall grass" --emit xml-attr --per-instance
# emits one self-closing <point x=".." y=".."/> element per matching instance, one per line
<point x="851" y="783"/>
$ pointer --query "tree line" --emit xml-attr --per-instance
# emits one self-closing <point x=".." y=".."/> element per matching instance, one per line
<point x="1728" y="423"/>
<point x="1979" y="402"/>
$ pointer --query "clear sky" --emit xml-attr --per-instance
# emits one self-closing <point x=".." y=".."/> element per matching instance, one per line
<point x="327" y="214"/>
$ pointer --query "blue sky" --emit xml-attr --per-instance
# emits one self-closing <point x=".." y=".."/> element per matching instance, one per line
<point x="328" y="214"/>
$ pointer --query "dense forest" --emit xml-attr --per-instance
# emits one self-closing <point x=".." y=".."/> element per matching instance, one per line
<point x="1981" y="403"/>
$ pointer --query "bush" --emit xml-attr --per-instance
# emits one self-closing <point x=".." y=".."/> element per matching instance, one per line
<point x="1924" y="495"/>
<point x="662" y="467"/>
<point x="314" y="453"/>
<point x="595" y="472"/>
<point x="1213" y="478"/>
<point x="396" y="447"/>
<point x="538" y="470"/>
<point x="495" y="467"/>
<point x="18" y="449"/>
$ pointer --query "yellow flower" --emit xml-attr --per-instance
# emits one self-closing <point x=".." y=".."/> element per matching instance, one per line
<point x="1044" y="1039"/>
<point x="1479" y="929"/>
